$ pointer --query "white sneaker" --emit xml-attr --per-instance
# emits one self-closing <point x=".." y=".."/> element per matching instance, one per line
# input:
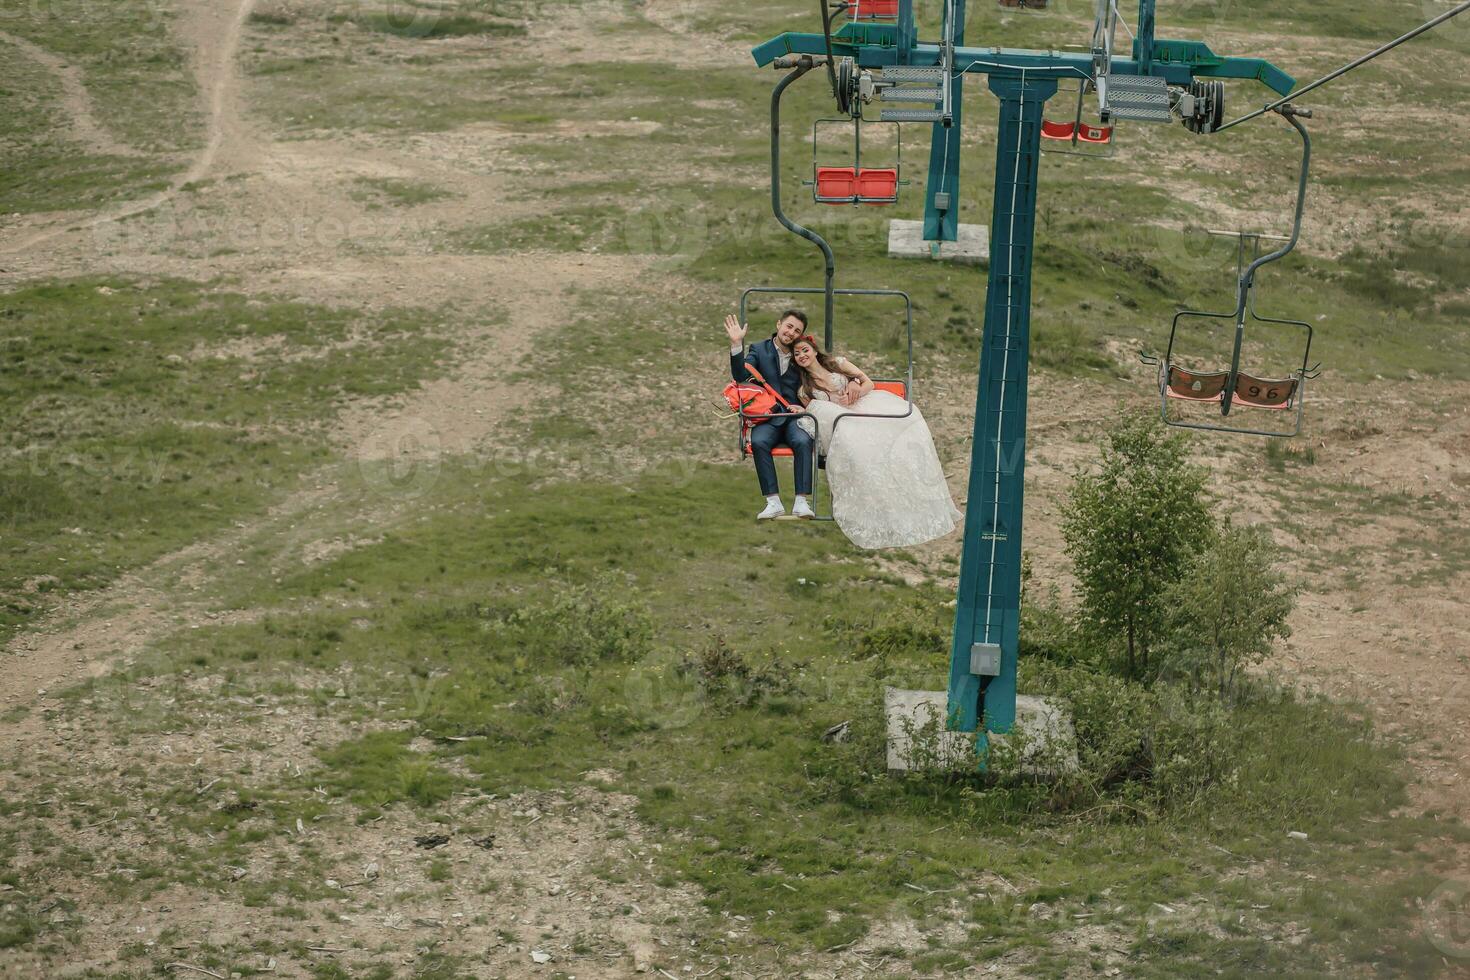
<point x="803" y="509"/>
<point x="774" y="508"/>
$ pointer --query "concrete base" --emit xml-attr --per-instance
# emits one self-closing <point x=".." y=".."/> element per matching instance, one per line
<point x="917" y="738"/>
<point x="906" y="241"/>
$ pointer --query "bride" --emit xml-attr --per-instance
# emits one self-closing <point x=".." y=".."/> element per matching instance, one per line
<point x="888" y="489"/>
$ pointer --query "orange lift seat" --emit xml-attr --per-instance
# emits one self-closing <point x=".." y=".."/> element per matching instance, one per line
<point x="853" y="185"/>
<point x="784" y="452"/>
<point x="1065" y="131"/>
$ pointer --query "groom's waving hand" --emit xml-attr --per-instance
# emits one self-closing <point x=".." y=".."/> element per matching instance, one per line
<point x="736" y="330"/>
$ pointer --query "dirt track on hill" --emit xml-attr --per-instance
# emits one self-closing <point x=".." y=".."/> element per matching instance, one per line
<point x="76" y="103"/>
<point x="506" y="301"/>
<point x="510" y="298"/>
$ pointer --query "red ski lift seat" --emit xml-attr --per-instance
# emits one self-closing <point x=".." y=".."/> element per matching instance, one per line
<point x="1066" y="131"/>
<point x="857" y="185"/>
<point x="874" y="9"/>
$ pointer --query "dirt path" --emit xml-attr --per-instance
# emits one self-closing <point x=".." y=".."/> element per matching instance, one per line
<point x="75" y="100"/>
<point x="502" y="302"/>
<point x="454" y="414"/>
<point x="214" y="36"/>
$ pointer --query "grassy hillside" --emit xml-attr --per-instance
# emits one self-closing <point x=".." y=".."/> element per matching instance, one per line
<point x="504" y="641"/>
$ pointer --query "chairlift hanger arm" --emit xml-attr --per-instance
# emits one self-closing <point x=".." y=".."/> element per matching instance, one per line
<point x="1290" y="114"/>
<point x="802" y="66"/>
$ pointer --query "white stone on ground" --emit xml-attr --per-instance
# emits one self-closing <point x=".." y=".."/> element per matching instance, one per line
<point x="906" y="241"/>
<point x="1049" y="743"/>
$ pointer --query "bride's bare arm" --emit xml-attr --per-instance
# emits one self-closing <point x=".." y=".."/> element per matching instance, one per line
<point x="865" y="383"/>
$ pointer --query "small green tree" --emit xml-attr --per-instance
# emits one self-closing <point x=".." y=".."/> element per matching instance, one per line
<point x="1131" y="531"/>
<point x="1230" y="609"/>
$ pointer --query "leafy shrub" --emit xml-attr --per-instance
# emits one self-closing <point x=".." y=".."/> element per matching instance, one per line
<point x="1109" y="715"/>
<point x="1144" y="754"/>
<point x="730" y="681"/>
<point x="1048" y="633"/>
<point x="1132" y="530"/>
<point x="1229" y="610"/>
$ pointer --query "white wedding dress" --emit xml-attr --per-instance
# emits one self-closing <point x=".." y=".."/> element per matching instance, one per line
<point x="888" y="489"/>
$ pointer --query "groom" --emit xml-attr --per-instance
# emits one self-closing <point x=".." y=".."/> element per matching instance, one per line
<point x="772" y="358"/>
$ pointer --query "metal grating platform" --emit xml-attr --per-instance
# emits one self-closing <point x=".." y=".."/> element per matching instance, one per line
<point x="1142" y="98"/>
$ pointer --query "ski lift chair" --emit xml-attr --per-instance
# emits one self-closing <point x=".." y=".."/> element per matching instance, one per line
<point x="856" y="184"/>
<point x="902" y="387"/>
<point x="1231" y="388"/>
<point x="1078" y="134"/>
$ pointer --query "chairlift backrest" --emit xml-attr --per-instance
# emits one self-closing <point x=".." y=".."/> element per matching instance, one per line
<point x="874" y="10"/>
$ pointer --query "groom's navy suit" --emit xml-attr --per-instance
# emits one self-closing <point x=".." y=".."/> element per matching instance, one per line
<point x="766" y="359"/>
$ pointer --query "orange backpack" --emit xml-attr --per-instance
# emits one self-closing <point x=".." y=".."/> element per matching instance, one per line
<point x="757" y="398"/>
<point x="749" y="399"/>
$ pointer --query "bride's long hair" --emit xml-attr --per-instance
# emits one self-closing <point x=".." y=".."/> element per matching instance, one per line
<point x="823" y="358"/>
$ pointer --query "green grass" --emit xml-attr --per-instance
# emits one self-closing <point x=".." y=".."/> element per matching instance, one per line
<point x="428" y="23"/>
<point x="1098" y="278"/>
<point x="377" y="191"/>
<point x="141" y="416"/>
<point x="536" y="639"/>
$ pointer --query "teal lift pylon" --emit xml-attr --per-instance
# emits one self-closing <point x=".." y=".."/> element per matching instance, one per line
<point x="982" y="681"/>
<point x="942" y="190"/>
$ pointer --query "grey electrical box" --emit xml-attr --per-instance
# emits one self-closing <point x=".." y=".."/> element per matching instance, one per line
<point x="985" y="659"/>
<point x="941" y="200"/>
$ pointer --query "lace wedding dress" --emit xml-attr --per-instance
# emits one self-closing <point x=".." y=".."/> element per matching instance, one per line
<point x="888" y="489"/>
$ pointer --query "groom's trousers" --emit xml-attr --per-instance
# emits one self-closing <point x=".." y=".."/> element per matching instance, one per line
<point x="764" y="438"/>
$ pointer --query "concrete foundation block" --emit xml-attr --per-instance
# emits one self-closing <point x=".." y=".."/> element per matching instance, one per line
<point x="906" y="241"/>
<point x="918" y="739"/>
